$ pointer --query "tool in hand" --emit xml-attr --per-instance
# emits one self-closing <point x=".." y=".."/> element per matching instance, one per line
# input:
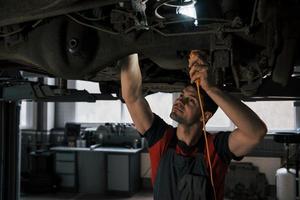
<point x="205" y="137"/>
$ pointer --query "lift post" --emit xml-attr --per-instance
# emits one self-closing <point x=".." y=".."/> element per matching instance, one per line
<point x="9" y="150"/>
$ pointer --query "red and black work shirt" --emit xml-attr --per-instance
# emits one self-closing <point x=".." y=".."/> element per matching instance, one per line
<point x="181" y="172"/>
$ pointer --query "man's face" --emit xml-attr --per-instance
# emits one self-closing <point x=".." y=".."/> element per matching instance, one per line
<point x="185" y="109"/>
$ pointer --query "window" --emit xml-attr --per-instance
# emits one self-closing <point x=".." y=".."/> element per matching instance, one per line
<point x="116" y="111"/>
<point x="23" y="113"/>
<point x="219" y="122"/>
<point x="278" y="115"/>
<point x="98" y="112"/>
<point x="160" y="103"/>
<point x="28" y="115"/>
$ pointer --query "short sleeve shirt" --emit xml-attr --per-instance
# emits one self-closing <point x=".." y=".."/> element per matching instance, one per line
<point x="159" y="137"/>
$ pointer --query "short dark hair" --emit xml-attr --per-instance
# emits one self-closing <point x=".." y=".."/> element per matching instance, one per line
<point x="208" y="104"/>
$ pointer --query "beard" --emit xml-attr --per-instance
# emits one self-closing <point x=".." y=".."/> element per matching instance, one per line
<point x="181" y="120"/>
<point x="177" y="118"/>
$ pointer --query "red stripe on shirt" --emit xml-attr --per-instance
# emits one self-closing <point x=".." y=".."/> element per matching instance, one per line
<point x="157" y="151"/>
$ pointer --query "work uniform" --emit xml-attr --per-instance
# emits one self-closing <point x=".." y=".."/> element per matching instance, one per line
<point x="181" y="172"/>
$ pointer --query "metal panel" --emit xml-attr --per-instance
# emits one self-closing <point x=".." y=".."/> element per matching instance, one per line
<point x="65" y="156"/>
<point x="65" y="167"/>
<point x="118" y="172"/>
<point x="67" y="180"/>
<point x="91" y="172"/>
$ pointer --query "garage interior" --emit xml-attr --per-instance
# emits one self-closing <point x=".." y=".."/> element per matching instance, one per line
<point x="82" y="150"/>
<point x="65" y="132"/>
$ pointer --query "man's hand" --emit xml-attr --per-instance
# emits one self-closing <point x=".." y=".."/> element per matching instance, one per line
<point x="250" y="128"/>
<point x="198" y="71"/>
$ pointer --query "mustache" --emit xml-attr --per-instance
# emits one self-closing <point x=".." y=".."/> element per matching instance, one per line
<point x="178" y="106"/>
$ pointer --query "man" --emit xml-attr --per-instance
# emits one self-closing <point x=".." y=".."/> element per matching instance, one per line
<point x="180" y="167"/>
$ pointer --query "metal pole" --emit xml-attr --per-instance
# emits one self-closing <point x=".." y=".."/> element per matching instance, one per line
<point x="9" y="150"/>
<point x="297" y="171"/>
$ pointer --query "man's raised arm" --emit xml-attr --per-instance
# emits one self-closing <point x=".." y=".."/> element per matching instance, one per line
<point x="250" y="128"/>
<point x="131" y="83"/>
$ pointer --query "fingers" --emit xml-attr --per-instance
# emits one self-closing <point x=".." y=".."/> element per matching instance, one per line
<point x="197" y="72"/>
<point x="197" y="68"/>
<point x="197" y="65"/>
<point x="198" y="77"/>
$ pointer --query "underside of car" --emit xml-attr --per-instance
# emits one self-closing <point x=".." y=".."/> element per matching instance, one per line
<point x="253" y="44"/>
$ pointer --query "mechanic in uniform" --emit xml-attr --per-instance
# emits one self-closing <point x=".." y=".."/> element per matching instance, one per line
<point x="179" y="165"/>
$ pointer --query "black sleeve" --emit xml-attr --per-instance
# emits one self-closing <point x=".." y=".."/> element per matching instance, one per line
<point x="222" y="147"/>
<point x="156" y="131"/>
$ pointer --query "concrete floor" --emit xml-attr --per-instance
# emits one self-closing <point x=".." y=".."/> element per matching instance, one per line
<point x="142" y="195"/>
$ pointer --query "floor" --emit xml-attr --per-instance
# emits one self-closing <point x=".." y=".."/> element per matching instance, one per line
<point x="143" y="195"/>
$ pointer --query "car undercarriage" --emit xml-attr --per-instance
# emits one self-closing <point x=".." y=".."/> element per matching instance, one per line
<point x="253" y="44"/>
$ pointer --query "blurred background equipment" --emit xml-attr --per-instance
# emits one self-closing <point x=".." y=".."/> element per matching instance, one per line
<point x="72" y="131"/>
<point x="287" y="177"/>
